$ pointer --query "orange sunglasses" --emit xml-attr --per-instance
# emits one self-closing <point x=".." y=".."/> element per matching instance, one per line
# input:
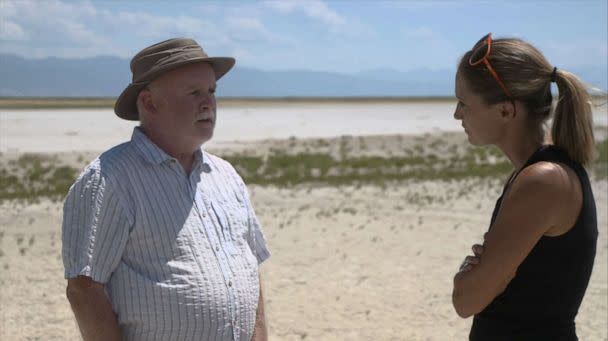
<point x="481" y="54"/>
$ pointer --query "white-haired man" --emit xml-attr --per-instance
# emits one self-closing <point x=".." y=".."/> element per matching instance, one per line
<point x="160" y="240"/>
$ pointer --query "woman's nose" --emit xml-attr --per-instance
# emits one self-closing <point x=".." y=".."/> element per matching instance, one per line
<point x="457" y="114"/>
<point x="458" y="111"/>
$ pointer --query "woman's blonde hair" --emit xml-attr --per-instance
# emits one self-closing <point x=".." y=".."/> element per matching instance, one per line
<point x="527" y="75"/>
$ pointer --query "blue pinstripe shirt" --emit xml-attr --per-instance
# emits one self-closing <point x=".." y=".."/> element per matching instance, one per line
<point x="178" y="253"/>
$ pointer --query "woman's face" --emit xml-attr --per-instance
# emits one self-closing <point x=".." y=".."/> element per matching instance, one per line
<point x="483" y="123"/>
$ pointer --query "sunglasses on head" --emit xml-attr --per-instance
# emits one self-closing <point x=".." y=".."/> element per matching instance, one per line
<point x="481" y="54"/>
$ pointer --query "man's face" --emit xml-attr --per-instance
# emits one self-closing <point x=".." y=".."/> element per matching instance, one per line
<point x="185" y="103"/>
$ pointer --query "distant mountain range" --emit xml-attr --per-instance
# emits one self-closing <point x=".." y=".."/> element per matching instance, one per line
<point x="107" y="76"/>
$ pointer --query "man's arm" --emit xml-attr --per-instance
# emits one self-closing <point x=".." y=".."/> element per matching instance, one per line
<point x="93" y="310"/>
<point x="260" y="332"/>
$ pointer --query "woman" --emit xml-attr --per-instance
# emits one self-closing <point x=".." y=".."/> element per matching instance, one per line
<point x="528" y="279"/>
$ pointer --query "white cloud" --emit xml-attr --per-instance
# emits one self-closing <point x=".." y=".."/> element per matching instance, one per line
<point x="427" y="41"/>
<point x="425" y="35"/>
<point x="7" y="9"/>
<point x="335" y="23"/>
<point x="152" y="26"/>
<point x="72" y="30"/>
<point x="77" y="32"/>
<point x="315" y="9"/>
<point x="51" y="24"/>
<point x="249" y="29"/>
<point x="420" y="33"/>
<point x="319" y="10"/>
<point x="426" y="5"/>
<point x="570" y="54"/>
<point x="11" y="31"/>
<point x="282" y="6"/>
<point x="207" y="9"/>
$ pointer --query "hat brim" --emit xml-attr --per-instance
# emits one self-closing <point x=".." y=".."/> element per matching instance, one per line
<point x="126" y="104"/>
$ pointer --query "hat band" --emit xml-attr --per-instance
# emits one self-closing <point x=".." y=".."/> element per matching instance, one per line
<point x="164" y="59"/>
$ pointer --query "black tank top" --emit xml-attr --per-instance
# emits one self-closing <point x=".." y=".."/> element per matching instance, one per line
<point x="542" y="300"/>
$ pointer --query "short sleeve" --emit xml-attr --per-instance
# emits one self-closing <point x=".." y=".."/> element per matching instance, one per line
<point x="95" y="227"/>
<point x="256" y="239"/>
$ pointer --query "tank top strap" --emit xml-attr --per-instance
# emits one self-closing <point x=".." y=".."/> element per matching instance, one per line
<point x="544" y="153"/>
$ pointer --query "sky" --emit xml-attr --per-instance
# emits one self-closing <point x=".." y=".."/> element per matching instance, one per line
<point x="334" y="36"/>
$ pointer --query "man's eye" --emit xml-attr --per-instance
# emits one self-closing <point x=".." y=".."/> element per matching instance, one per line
<point x="211" y="91"/>
<point x="195" y="92"/>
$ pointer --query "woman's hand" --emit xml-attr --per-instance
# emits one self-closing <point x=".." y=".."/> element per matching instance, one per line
<point x="470" y="261"/>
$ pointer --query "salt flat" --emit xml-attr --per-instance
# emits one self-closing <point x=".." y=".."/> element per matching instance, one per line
<point x="350" y="262"/>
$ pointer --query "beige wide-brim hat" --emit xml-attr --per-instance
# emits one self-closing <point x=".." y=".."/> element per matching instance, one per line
<point x="159" y="58"/>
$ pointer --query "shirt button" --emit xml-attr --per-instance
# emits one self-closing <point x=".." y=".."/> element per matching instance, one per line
<point x="229" y="283"/>
<point x="217" y="248"/>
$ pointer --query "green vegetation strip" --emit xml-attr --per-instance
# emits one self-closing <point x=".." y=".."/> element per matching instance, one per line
<point x="55" y="103"/>
<point x="34" y="176"/>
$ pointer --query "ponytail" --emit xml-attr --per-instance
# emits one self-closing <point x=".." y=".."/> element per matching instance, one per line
<point x="572" y="129"/>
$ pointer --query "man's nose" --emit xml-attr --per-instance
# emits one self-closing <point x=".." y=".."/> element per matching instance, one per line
<point x="208" y="102"/>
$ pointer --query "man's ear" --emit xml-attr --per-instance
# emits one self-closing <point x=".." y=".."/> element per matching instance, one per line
<point x="146" y="100"/>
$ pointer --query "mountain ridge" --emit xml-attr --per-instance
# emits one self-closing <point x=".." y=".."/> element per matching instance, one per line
<point x="106" y="76"/>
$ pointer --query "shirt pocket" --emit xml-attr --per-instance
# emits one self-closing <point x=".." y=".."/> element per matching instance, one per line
<point x="239" y="222"/>
<point x="220" y="211"/>
<point x="232" y="217"/>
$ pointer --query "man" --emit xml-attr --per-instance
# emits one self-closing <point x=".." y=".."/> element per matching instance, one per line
<point x="160" y="240"/>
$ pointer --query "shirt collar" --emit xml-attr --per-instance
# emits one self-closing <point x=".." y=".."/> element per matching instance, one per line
<point x="153" y="153"/>
<point x="198" y="159"/>
<point x="148" y="150"/>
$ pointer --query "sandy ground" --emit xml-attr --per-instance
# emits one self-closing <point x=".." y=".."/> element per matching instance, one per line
<point x="349" y="263"/>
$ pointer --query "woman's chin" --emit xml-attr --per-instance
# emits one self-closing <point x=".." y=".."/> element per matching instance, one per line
<point x="474" y="142"/>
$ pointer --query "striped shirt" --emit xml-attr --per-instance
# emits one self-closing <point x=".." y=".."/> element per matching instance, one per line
<point x="178" y="253"/>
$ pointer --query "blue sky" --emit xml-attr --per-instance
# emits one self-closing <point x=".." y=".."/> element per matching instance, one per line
<point x="336" y="36"/>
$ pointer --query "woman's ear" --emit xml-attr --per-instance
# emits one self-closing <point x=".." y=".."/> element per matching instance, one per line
<point x="507" y="110"/>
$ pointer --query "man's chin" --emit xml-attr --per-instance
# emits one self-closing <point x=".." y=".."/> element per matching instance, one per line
<point x="203" y="138"/>
<point x="203" y="130"/>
